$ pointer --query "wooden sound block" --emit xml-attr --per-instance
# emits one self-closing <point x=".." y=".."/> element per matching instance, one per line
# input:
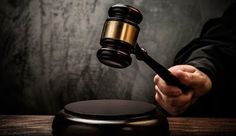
<point x="110" y="118"/>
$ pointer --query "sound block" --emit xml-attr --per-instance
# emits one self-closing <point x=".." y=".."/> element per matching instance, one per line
<point x="110" y="118"/>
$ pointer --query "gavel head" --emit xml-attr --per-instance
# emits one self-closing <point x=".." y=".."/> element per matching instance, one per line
<point x="119" y="36"/>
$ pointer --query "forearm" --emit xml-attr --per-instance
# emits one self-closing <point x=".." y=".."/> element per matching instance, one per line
<point x="214" y="51"/>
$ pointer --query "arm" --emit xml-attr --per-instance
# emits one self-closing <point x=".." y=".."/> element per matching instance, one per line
<point x="210" y="62"/>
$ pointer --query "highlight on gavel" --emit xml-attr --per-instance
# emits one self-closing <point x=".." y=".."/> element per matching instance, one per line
<point x="119" y="40"/>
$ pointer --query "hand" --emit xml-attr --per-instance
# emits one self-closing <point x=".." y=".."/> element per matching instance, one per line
<point x="172" y="99"/>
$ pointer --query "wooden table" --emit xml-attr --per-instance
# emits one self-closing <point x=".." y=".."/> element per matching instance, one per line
<point x="31" y="125"/>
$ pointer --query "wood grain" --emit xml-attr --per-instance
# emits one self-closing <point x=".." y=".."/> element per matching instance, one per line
<point x="41" y="126"/>
<point x="202" y="126"/>
<point x="25" y="125"/>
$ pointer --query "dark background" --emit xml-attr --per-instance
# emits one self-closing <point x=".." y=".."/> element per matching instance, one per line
<point x="48" y="50"/>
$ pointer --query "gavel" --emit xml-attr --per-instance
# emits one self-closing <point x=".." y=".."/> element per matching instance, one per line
<point x="114" y="116"/>
<point x="119" y="40"/>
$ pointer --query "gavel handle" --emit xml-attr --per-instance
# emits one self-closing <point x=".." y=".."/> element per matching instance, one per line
<point x="164" y="73"/>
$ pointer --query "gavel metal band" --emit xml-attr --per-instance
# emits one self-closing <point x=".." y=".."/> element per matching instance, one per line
<point x="120" y="30"/>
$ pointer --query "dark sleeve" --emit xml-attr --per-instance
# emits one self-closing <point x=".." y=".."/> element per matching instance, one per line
<point x="214" y="53"/>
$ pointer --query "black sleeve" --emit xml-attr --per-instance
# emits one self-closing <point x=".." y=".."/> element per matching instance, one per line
<point x="214" y="53"/>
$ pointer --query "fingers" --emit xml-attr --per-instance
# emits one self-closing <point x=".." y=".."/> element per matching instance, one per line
<point x="184" y="77"/>
<point x="171" y="98"/>
<point x="178" y="101"/>
<point x="173" y="105"/>
<point x="184" y="73"/>
<point x="156" y="79"/>
<point x="167" y="90"/>
<point x="193" y="80"/>
<point x="185" y="68"/>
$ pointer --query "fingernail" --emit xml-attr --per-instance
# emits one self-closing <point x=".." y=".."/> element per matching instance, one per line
<point x="156" y="78"/>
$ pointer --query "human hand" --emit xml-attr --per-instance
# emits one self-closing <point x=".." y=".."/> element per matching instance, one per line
<point x="173" y="99"/>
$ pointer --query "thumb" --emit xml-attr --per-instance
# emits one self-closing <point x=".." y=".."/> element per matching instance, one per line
<point x="186" y="78"/>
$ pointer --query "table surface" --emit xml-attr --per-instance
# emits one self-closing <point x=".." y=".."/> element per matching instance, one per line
<point x="31" y="125"/>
